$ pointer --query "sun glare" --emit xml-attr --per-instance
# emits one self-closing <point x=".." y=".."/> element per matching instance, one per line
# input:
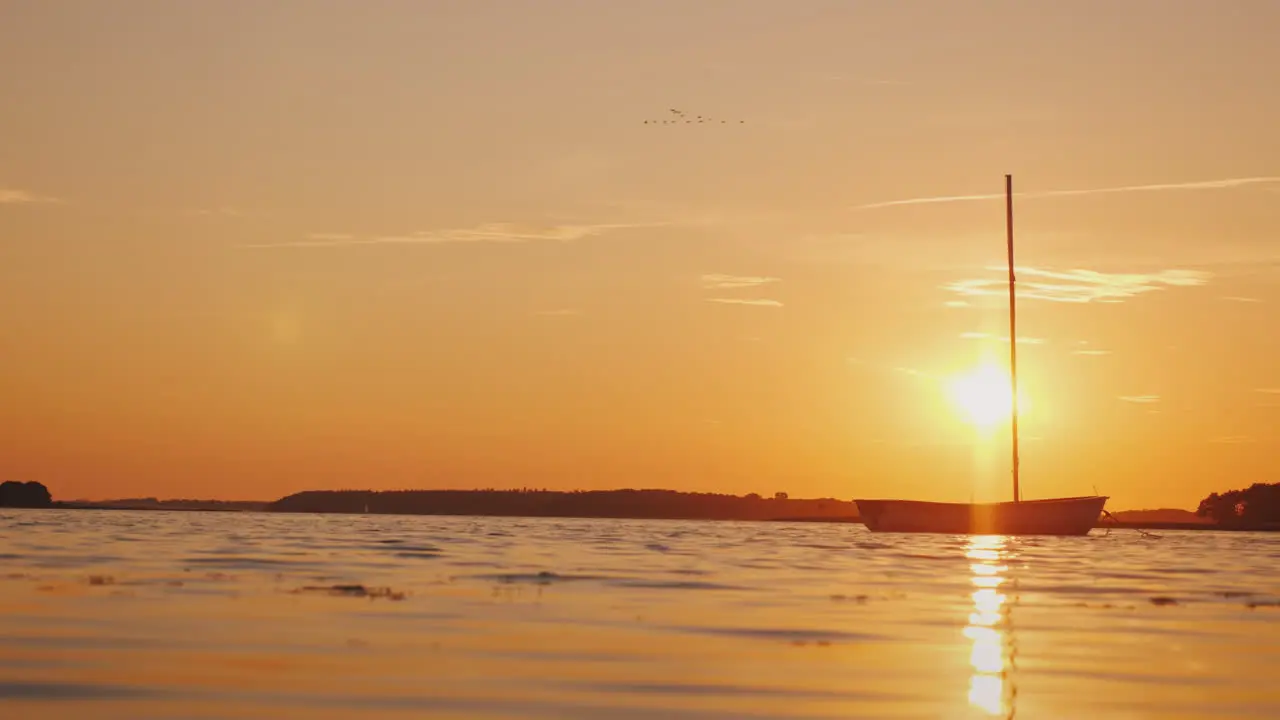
<point x="983" y="396"/>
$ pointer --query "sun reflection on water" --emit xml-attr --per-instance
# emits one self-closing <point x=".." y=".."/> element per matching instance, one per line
<point x="992" y="657"/>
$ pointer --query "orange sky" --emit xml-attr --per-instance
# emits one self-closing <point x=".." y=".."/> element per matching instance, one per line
<point x="253" y="248"/>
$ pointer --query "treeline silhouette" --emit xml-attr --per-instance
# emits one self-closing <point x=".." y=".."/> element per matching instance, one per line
<point x="150" y="503"/>
<point x="638" y="504"/>
<point x="1255" y="506"/>
<point x="24" y="495"/>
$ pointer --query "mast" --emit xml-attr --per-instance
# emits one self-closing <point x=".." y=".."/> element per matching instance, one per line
<point x="1013" y="332"/>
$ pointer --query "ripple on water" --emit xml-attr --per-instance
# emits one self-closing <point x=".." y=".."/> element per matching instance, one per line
<point x="790" y="635"/>
<point x="418" y="555"/>
<point x="91" y="642"/>
<point x="72" y="691"/>
<point x="645" y="619"/>
<point x="544" y="577"/>
<point x="711" y="690"/>
<point x="352" y="591"/>
<point x="676" y="585"/>
<point x="245" y="562"/>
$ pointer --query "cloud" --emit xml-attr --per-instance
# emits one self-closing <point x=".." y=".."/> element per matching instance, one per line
<point x="221" y="212"/>
<point x="486" y="233"/>
<point x="11" y="196"/>
<point x="1232" y="440"/>
<point x="1004" y="339"/>
<point x="866" y="81"/>
<point x="1268" y="391"/>
<point x="927" y="201"/>
<point x="1237" y="298"/>
<point x="756" y="302"/>
<point x="1079" y="286"/>
<point x="916" y="373"/>
<point x="561" y="312"/>
<point x="717" y="281"/>
<point x="955" y="304"/>
<point x="1141" y="399"/>
<point x="1223" y="184"/>
<point x="1092" y="353"/>
<point x="875" y="366"/>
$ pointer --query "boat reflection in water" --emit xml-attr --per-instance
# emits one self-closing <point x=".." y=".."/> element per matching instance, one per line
<point x="994" y="655"/>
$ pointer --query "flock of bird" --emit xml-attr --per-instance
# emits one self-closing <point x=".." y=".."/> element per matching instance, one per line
<point x="679" y="117"/>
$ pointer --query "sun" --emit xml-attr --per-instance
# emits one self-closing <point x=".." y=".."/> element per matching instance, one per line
<point x="983" y="396"/>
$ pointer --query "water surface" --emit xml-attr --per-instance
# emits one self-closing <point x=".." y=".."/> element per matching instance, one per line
<point x="238" y="615"/>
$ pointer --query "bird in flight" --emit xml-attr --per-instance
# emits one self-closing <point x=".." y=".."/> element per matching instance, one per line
<point x="676" y="116"/>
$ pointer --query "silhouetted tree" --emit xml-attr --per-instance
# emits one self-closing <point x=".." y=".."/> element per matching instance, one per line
<point x="24" y="495"/>
<point x="1257" y="504"/>
<point x="779" y="496"/>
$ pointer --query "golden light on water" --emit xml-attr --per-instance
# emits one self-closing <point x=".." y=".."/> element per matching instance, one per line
<point x="990" y="659"/>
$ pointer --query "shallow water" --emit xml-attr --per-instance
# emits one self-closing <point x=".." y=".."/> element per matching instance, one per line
<point x="212" y="615"/>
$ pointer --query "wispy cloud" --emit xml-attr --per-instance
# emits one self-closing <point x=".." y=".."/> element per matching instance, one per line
<point x="955" y="304"/>
<point x="879" y="367"/>
<point x="756" y="302"/>
<point x="224" y="211"/>
<point x="1141" y="399"/>
<point x="12" y="196"/>
<point x="1232" y="440"/>
<point x="917" y="373"/>
<point x="487" y="233"/>
<point x="1268" y="391"/>
<point x="1239" y="299"/>
<point x="1222" y="184"/>
<point x="1005" y="339"/>
<point x="1092" y="353"/>
<point x="718" y="281"/>
<point x="1080" y="286"/>
<point x="927" y="201"/>
<point x="865" y="81"/>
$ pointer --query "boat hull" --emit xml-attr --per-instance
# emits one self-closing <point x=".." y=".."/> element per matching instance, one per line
<point x="1058" y="516"/>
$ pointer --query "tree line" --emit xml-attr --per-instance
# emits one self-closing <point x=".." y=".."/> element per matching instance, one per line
<point x="1256" y="505"/>
<point x="628" y="503"/>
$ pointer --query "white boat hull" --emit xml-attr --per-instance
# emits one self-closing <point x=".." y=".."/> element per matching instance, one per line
<point x="1058" y="516"/>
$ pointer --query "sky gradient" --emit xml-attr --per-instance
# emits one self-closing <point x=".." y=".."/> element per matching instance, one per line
<point x="253" y="248"/>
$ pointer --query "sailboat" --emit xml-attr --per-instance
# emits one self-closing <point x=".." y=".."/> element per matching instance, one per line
<point x="1054" y="516"/>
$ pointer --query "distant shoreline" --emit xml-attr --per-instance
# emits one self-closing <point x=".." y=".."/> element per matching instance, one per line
<point x="842" y="520"/>
<point x="148" y="508"/>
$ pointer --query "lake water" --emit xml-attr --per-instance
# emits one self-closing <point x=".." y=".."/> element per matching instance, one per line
<point x="211" y="615"/>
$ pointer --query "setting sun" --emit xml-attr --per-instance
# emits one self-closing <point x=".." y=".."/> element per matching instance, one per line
<point x="983" y="395"/>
